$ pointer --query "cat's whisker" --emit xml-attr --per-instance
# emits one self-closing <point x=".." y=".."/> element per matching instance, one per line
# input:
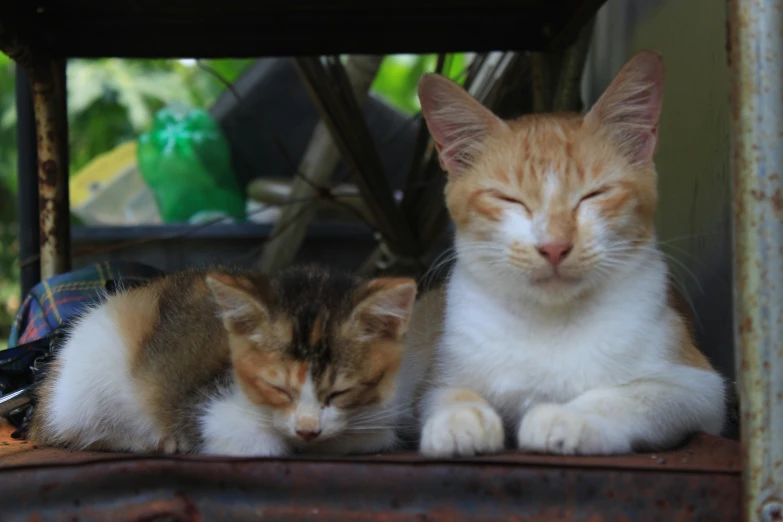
<point x="687" y="237"/>
<point x="697" y="260"/>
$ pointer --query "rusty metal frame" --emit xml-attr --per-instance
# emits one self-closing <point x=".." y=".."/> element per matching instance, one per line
<point x="518" y="487"/>
<point x="278" y="490"/>
<point x="756" y="57"/>
<point x="698" y="482"/>
<point x="51" y="125"/>
<point x="47" y="81"/>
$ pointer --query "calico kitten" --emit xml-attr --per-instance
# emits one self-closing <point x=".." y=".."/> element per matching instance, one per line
<point x="236" y="363"/>
<point x="560" y="324"/>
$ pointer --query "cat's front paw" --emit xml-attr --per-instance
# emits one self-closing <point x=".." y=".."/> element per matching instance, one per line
<point x="555" y="428"/>
<point x="173" y="445"/>
<point x="464" y="429"/>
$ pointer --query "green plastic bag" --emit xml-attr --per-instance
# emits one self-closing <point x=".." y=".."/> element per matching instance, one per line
<point x="186" y="161"/>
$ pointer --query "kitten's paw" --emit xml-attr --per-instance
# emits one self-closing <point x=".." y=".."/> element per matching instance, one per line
<point x="174" y="445"/>
<point x="464" y="429"/>
<point x="555" y="428"/>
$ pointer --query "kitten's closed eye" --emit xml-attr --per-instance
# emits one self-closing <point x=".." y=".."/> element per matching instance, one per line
<point x="284" y="396"/>
<point x="336" y="394"/>
<point x="359" y="394"/>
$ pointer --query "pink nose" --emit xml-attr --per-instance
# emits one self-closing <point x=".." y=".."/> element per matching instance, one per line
<point x="555" y="252"/>
<point x="307" y="435"/>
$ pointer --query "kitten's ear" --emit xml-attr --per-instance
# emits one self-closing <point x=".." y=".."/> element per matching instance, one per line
<point x="458" y="123"/>
<point x="630" y="107"/>
<point x="241" y="311"/>
<point x="383" y="307"/>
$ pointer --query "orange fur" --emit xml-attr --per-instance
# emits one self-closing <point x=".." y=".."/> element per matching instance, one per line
<point x="687" y="351"/>
<point x="136" y="314"/>
<point x="497" y="165"/>
<point x="318" y="330"/>
<point x="556" y="323"/>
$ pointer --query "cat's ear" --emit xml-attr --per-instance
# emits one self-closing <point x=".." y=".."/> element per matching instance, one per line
<point x="630" y="107"/>
<point x="382" y="307"/>
<point x="240" y="308"/>
<point x="458" y="123"/>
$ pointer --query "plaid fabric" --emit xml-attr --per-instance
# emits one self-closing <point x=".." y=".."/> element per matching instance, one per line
<point x="51" y="303"/>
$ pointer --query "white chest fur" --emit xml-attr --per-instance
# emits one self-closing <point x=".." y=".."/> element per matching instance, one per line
<point x="516" y="354"/>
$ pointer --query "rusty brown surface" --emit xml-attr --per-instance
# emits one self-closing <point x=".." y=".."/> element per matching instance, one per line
<point x="704" y="453"/>
<point x="697" y="482"/>
<point x="274" y="490"/>
<point x="755" y="33"/>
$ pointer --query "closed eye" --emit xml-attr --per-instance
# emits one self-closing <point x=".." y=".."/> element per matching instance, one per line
<point x="509" y="199"/>
<point x="284" y="392"/>
<point x="593" y="194"/>
<point x="336" y="394"/>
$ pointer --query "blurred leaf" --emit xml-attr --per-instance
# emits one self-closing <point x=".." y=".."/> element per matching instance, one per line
<point x="111" y="101"/>
<point x="399" y="75"/>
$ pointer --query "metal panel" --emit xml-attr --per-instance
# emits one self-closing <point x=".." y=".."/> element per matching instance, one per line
<point x="252" y="28"/>
<point x="340" y="491"/>
<point x="698" y="482"/>
<point x="756" y="28"/>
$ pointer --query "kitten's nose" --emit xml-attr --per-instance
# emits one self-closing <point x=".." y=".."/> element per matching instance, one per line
<point x="308" y="435"/>
<point x="555" y="252"/>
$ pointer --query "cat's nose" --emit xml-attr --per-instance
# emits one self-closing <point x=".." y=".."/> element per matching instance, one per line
<point x="555" y="252"/>
<point x="308" y="435"/>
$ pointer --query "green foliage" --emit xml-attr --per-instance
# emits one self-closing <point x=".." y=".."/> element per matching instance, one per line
<point x="111" y="101"/>
<point x="399" y="75"/>
<point x="9" y="245"/>
<point x="7" y="126"/>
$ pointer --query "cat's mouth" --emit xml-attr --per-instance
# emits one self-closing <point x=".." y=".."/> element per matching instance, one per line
<point x="554" y="278"/>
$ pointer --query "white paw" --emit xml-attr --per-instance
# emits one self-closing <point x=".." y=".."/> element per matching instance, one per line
<point x="173" y="445"/>
<point x="464" y="429"/>
<point x="554" y="428"/>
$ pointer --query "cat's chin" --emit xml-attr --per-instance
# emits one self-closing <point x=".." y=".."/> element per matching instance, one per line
<point x="557" y="298"/>
<point x="555" y="280"/>
<point x="556" y="289"/>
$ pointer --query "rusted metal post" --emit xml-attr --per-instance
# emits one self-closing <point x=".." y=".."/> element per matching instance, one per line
<point x="47" y="81"/>
<point x="27" y="185"/>
<point x="48" y="85"/>
<point x="756" y="57"/>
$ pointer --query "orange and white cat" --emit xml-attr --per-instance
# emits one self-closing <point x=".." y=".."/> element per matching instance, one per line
<point x="560" y="327"/>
